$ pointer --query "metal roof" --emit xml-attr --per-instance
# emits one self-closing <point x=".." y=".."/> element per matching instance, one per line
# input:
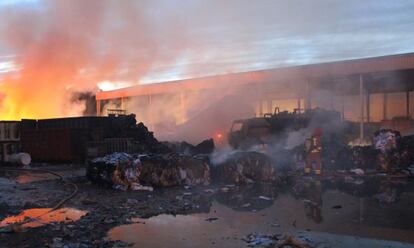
<point x="274" y="76"/>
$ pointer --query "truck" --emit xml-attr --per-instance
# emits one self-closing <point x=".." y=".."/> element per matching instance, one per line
<point x="273" y="128"/>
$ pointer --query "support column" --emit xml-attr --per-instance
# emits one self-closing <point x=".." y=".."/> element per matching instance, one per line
<point x="98" y="107"/>
<point x="343" y="107"/>
<point x="407" y="99"/>
<point x="260" y="107"/>
<point x="122" y="103"/>
<point x="361" y="102"/>
<point x="308" y="100"/>
<point x="269" y="106"/>
<point x="384" y="106"/>
<point x="368" y="106"/>
<point x="151" y="120"/>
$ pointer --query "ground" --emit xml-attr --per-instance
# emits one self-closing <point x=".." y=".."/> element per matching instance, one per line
<point x="215" y="215"/>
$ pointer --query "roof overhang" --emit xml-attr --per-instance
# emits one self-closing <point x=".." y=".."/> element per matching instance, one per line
<point x="301" y="73"/>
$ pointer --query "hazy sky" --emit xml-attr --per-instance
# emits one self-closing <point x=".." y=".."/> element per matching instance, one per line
<point x="158" y="40"/>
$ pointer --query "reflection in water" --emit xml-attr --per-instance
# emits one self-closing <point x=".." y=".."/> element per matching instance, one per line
<point x="313" y="201"/>
<point x="34" y="177"/>
<point x="339" y="206"/>
<point x="31" y="216"/>
<point x="248" y="197"/>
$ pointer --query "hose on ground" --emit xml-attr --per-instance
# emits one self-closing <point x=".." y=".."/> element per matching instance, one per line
<point x="11" y="227"/>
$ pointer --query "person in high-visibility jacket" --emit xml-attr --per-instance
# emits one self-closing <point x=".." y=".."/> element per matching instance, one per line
<point x="313" y="148"/>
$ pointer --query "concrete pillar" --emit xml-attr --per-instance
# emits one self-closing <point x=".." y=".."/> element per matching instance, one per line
<point x="122" y="103"/>
<point x="407" y="102"/>
<point x="150" y="117"/>
<point x="343" y="107"/>
<point x="269" y="106"/>
<point x="368" y="106"/>
<point x="361" y="102"/>
<point x="260" y="107"/>
<point x="308" y="100"/>
<point x="98" y="107"/>
<point x="384" y="106"/>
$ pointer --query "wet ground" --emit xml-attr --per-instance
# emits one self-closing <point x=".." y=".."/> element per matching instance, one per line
<point x="36" y="217"/>
<point x="331" y="212"/>
<point x="319" y="206"/>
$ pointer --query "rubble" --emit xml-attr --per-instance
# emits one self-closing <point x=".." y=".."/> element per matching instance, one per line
<point x="246" y="167"/>
<point x="260" y="240"/>
<point x="174" y="170"/>
<point x="386" y="140"/>
<point x="205" y="147"/>
<point x="118" y="170"/>
<point x="125" y="171"/>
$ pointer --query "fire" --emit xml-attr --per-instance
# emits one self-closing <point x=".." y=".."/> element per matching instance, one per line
<point x="22" y="99"/>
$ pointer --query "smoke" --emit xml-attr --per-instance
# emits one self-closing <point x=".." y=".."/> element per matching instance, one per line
<point x="86" y="101"/>
<point x="63" y="47"/>
<point x="66" y="47"/>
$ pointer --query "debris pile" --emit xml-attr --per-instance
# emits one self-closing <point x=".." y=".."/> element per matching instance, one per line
<point x="118" y="170"/>
<point x="125" y="171"/>
<point x="205" y="147"/>
<point x="246" y="167"/>
<point x="389" y="151"/>
<point x="261" y="240"/>
<point x="175" y="169"/>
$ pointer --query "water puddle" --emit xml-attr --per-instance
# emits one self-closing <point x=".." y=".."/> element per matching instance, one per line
<point x="340" y="208"/>
<point x="24" y="177"/>
<point x="36" y="217"/>
<point x="34" y="177"/>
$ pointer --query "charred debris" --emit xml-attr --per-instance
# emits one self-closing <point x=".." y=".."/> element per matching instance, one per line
<point x="124" y="154"/>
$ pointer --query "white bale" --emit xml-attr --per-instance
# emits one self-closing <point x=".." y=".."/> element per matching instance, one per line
<point x="21" y="158"/>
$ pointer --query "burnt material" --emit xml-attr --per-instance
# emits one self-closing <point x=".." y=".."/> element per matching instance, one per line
<point x="75" y="139"/>
<point x="121" y="170"/>
<point x="246" y="167"/>
<point x="205" y="147"/>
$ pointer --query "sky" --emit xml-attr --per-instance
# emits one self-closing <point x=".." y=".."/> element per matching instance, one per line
<point x="129" y="42"/>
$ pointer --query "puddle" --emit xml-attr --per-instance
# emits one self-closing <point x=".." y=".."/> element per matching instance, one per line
<point x="34" y="177"/>
<point x="327" y="207"/>
<point x="24" y="177"/>
<point x="60" y="215"/>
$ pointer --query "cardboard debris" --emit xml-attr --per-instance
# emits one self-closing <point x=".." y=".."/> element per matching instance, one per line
<point x="125" y="171"/>
<point x="246" y="167"/>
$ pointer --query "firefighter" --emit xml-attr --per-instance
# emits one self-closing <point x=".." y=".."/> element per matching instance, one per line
<point x="313" y="148"/>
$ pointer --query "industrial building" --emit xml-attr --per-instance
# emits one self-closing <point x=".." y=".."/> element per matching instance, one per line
<point x="377" y="89"/>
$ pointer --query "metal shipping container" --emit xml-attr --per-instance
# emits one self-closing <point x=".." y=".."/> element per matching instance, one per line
<point x="55" y="145"/>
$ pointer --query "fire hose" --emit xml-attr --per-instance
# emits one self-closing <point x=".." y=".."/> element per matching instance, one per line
<point x="12" y="227"/>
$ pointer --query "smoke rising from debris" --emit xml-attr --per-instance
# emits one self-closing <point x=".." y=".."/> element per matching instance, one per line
<point x="69" y="46"/>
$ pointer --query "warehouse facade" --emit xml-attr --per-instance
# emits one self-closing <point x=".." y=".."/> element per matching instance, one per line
<point x="378" y="89"/>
